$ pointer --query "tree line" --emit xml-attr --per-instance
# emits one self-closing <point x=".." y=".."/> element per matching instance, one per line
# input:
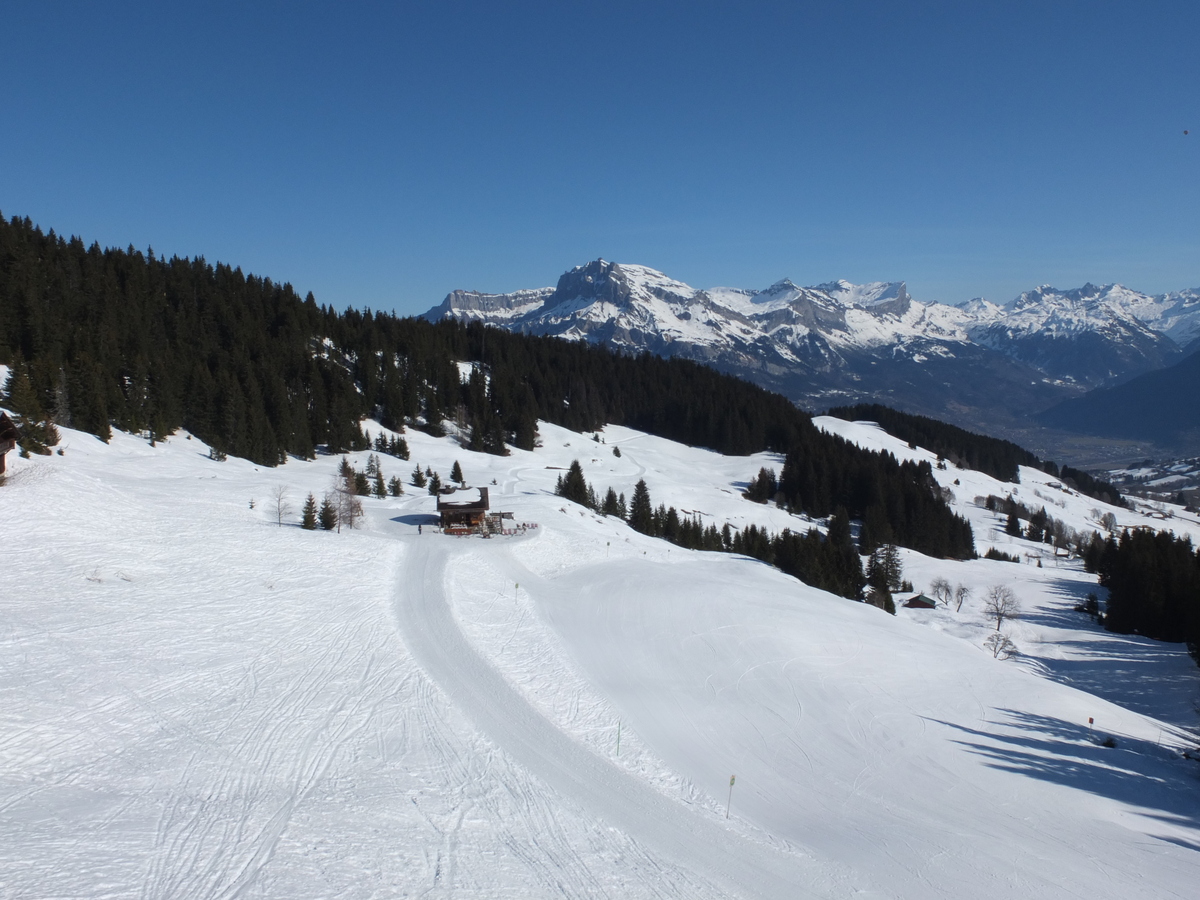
<point x="1153" y="581"/>
<point x="993" y="456"/>
<point x="827" y="561"/>
<point x="118" y="338"/>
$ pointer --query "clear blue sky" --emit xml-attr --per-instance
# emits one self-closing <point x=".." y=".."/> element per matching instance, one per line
<point x="383" y="154"/>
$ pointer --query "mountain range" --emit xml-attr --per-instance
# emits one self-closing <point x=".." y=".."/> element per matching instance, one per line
<point x="978" y="364"/>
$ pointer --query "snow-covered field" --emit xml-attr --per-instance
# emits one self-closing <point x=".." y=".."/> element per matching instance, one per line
<point x="197" y="702"/>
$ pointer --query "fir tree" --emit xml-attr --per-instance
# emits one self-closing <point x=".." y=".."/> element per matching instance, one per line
<point x="308" y="519"/>
<point x="573" y="486"/>
<point x="380" y="489"/>
<point x="456" y="473"/>
<point x="327" y="515"/>
<point x="641" y="514"/>
<point x="435" y="484"/>
<point x="395" y="487"/>
<point x="418" y="477"/>
<point x="37" y="433"/>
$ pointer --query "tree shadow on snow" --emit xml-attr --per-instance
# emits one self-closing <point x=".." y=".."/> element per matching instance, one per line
<point x="1149" y="677"/>
<point x="1135" y="771"/>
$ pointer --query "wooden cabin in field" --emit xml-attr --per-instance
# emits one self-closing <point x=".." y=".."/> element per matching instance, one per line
<point x="921" y="602"/>
<point x="463" y="516"/>
<point x="8" y="437"/>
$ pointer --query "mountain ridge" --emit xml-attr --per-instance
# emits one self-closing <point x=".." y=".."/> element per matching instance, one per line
<point x="978" y="363"/>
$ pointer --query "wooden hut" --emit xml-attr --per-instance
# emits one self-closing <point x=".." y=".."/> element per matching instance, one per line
<point x="8" y="437"/>
<point x="463" y="516"/>
<point x="921" y="602"/>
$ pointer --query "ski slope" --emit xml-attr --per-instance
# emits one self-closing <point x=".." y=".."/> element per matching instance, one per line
<point x="198" y="702"/>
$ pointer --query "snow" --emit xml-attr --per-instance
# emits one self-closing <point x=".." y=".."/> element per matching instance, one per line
<point x="865" y="295"/>
<point x="659" y="310"/>
<point x="198" y="702"/>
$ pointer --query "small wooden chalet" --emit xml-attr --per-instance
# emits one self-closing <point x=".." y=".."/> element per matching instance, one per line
<point x="921" y="602"/>
<point x="463" y="516"/>
<point x="8" y="437"/>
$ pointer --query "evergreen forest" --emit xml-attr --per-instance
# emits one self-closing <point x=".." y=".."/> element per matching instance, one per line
<point x="993" y="456"/>
<point x="1153" y="581"/>
<point x="103" y="338"/>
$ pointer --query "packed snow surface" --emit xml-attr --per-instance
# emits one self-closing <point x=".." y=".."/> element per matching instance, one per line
<point x="199" y="702"/>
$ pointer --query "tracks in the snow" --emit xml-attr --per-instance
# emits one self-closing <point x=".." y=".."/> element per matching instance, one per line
<point x="737" y="866"/>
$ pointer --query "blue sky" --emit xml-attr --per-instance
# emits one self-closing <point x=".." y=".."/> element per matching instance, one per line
<point x="382" y="154"/>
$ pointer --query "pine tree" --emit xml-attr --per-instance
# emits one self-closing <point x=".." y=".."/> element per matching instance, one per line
<point x="418" y="477"/>
<point x="435" y="484"/>
<point x="641" y="513"/>
<point x="362" y="484"/>
<point x="37" y="433"/>
<point x="395" y="487"/>
<point x="308" y="519"/>
<point x="380" y="489"/>
<point x="1013" y="526"/>
<point x="573" y="485"/>
<point x="327" y="516"/>
<point x="894" y="567"/>
<point x="456" y="473"/>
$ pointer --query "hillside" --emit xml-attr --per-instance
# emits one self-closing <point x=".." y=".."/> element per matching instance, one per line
<point x="115" y="338"/>
<point x="207" y="704"/>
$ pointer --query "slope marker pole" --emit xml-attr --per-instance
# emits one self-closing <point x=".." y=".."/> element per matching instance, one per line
<point x="618" y="737"/>
<point x="729" y="800"/>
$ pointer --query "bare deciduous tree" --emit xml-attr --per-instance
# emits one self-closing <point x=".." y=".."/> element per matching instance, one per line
<point x="349" y="507"/>
<point x="1000" y="603"/>
<point x="282" y="508"/>
<point x="1000" y="645"/>
<point x="962" y="594"/>
<point x="941" y="590"/>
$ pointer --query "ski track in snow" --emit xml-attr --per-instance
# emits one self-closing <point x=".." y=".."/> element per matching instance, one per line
<point x="740" y="867"/>
<point x="194" y="702"/>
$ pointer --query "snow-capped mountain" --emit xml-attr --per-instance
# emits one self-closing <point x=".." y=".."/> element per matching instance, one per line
<point x="1090" y="335"/>
<point x="841" y="342"/>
